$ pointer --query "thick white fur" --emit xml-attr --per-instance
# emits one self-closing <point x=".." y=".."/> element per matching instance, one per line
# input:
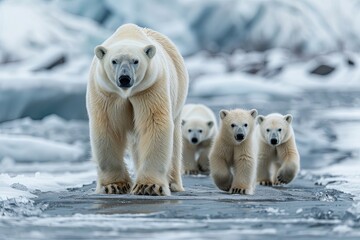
<point x="276" y="164"/>
<point x="146" y="116"/>
<point x="197" y="121"/>
<point x="233" y="163"/>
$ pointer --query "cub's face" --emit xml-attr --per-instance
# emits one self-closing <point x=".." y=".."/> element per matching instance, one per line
<point x="238" y="123"/>
<point x="274" y="128"/>
<point x="125" y="65"/>
<point x="196" y="131"/>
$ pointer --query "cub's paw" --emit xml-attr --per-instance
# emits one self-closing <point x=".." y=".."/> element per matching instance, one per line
<point x="239" y="190"/>
<point x="277" y="183"/>
<point x="203" y="164"/>
<point x="285" y="176"/>
<point x="283" y="179"/>
<point x="150" y="189"/>
<point x="204" y="171"/>
<point x="117" y="188"/>
<point x="266" y="183"/>
<point x="192" y="172"/>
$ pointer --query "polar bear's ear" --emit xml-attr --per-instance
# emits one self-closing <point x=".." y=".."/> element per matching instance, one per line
<point x="253" y="113"/>
<point x="210" y="124"/>
<point x="100" y="52"/>
<point x="288" y="118"/>
<point x="183" y="122"/>
<point x="150" y="50"/>
<point x="260" y="119"/>
<point x="223" y="113"/>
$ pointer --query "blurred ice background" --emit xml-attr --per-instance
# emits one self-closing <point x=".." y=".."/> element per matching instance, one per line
<point x="233" y="50"/>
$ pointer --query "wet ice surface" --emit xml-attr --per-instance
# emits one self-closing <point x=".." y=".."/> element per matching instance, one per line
<point x="200" y="212"/>
<point x="55" y="199"/>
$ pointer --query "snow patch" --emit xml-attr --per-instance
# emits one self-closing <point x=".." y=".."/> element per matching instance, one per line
<point x="33" y="149"/>
<point x="50" y="182"/>
<point x="7" y="192"/>
<point x="342" y="229"/>
<point x="344" y="176"/>
<point x="275" y="211"/>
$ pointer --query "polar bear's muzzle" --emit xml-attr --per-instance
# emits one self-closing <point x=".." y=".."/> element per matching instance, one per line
<point x="124" y="75"/>
<point x="239" y="134"/>
<point x="274" y="139"/>
<point x="125" y="81"/>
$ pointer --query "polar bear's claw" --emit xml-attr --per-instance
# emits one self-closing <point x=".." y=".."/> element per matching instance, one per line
<point x="239" y="191"/>
<point x="148" y="189"/>
<point x="117" y="188"/>
<point x="282" y="180"/>
<point x="266" y="183"/>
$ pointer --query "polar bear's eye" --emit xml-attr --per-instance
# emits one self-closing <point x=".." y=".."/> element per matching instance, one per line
<point x="232" y="125"/>
<point x="279" y="129"/>
<point x="200" y="131"/>
<point x="136" y="61"/>
<point x="189" y="130"/>
<point x="245" y="125"/>
<point x="113" y="62"/>
<point x="268" y="130"/>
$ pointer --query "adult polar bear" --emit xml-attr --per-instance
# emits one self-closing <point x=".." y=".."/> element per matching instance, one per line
<point x="137" y="88"/>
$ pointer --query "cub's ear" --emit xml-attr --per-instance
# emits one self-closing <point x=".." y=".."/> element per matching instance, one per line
<point x="183" y="122"/>
<point x="100" y="52"/>
<point x="253" y="113"/>
<point x="210" y="124"/>
<point x="288" y="118"/>
<point x="150" y="51"/>
<point x="260" y="119"/>
<point x="223" y="113"/>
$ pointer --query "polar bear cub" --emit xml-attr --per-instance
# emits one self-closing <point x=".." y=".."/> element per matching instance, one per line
<point x="233" y="157"/>
<point x="199" y="128"/>
<point x="137" y="88"/>
<point x="278" y="157"/>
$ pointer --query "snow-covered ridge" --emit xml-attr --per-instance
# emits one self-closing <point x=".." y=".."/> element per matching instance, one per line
<point x="46" y="27"/>
<point x="75" y="27"/>
<point x="225" y="25"/>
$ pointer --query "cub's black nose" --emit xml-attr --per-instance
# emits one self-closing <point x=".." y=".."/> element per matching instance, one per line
<point x="125" y="81"/>
<point x="194" y="140"/>
<point x="274" y="141"/>
<point x="239" y="136"/>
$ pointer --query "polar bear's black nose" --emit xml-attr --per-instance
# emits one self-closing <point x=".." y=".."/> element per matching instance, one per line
<point x="194" y="140"/>
<point x="273" y="141"/>
<point x="125" y="81"/>
<point x="239" y="136"/>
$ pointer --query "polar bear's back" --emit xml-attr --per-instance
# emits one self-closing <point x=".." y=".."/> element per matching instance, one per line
<point x="127" y="32"/>
<point x="178" y="63"/>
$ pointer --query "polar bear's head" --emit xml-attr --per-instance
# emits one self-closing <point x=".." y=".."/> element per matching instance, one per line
<point x="275" y="128"/>
<point x="125" y="66"/>
<point x="238" y="123"/>
<point x="196" y="130"/>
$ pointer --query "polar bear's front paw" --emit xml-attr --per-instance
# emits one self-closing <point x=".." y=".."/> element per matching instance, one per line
<point x="117" y="188"/>
<point x="239" y="190"/>
<point x="266" y="183"/>
<point x="149" y="189"/>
